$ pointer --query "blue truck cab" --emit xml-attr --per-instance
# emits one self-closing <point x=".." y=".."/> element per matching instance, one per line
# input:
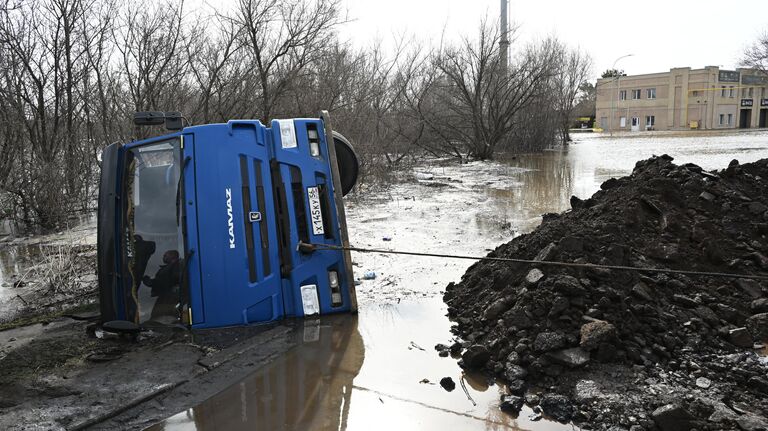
<point x="203" y="226"/>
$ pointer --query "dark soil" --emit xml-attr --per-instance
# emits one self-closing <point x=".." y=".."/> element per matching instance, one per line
<point x="68" y="374"/>
<point x="627" y="349"/>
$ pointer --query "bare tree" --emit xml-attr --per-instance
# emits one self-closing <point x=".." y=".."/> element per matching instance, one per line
<point x="152" y="45"/>
<point x="73" y="71"/>
<point x="215" y="74"/>
<point x="44" y="45"/>
<point x="573" y="69"/>
<point x="756" y="55"/>
<point x="477" y="100"/>
<point x="282" y="37"/>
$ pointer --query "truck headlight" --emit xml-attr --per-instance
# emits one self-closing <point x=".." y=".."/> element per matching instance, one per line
<point x="333" y="281"/>
<point x="314" y="149"/>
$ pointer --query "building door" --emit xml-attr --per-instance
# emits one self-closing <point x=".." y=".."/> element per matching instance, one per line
<point x="763" y="118"/>
<point x="745" y="119"/>
<point x="635" y="124"/>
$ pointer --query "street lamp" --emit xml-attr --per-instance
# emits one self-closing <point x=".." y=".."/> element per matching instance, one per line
<point x="615" y="89"/>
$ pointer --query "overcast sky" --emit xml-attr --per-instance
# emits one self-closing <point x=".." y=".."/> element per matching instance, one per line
<point x="660" y="34"/>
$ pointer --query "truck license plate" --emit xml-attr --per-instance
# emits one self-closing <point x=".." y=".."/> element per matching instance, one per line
<point x="314" y="210"/>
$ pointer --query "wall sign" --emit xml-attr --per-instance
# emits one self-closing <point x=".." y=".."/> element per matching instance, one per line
<point x="746" y="102"/>
<point x="763" y="102"/>
<point x="754" y="79"/>
<point x="728" y="76"/>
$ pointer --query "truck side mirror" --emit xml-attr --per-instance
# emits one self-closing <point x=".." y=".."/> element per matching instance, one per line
<point x="149" y="118"/>
<point x="173" y="120"/>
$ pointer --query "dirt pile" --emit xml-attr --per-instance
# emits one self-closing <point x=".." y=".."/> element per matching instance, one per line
<point x="623" y="348"/>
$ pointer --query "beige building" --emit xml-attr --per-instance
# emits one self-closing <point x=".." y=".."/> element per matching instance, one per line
<point x="683" y="98"/>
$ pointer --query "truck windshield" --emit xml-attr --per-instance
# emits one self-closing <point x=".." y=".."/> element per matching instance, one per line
<point x="151" y="231"/>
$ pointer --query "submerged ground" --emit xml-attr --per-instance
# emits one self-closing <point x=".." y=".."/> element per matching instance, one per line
<point x="379" y="370"/>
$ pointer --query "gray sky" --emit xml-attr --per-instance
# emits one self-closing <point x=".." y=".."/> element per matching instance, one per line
<point x="660" y="34"/>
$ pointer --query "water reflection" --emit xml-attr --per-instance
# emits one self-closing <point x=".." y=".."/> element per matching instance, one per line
<point x="310" y="387"/>
<point x="544" y="183"/>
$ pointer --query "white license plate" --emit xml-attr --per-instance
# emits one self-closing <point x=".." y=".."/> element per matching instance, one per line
<point x="315" y="212"/>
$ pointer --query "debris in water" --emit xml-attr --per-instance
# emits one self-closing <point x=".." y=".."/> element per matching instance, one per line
<point x="466" y="392"/>
<point x="416" y="346"/>
<point x="448" y="384"/>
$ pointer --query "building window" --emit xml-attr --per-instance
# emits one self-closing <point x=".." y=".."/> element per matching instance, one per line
<point x="722" y="119"/>
<point x="750" y="92"/>
<point x="695" y="93"/>
<point x="650" y="121"/>
<point x="732" y="92"/>
<point x="743" y="93"/>
<point x="730" y="119"/>
<point x="623" y="122"/>
<point x="722" y="91"/>
<point x="635" y="94"/>
<point x="650" y="93"/>
<point x="623" y="95"/>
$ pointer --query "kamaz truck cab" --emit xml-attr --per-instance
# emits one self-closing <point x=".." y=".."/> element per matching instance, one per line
<point x="202" y="226"/>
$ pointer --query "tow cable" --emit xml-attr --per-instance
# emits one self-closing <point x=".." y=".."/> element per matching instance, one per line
<point x="311" y="247"/>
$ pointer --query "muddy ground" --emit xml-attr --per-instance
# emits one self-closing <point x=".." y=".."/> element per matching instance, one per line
<point x="60" y="376"/>
<point x="640" y="350"/>
<point x="43" y="275"/>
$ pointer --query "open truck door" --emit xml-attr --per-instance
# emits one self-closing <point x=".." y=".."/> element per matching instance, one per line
<point x="202" y="226"/>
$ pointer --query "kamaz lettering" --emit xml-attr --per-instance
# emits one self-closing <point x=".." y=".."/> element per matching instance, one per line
<point x="230" y="221"/>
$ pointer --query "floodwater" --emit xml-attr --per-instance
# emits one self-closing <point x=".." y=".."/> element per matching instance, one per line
<point x="18" y="256"/>
<point x="368" y="372"/>
<point x="379" y="370"/>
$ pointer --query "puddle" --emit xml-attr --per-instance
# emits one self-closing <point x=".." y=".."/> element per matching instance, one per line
<point x="364" y="372"/>
<point x="361" y="372"/>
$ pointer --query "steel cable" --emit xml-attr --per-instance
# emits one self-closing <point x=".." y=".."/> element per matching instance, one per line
<point x="309" y="247"/>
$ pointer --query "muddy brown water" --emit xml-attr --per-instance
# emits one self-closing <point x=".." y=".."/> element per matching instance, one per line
<point x="368" y="371"/>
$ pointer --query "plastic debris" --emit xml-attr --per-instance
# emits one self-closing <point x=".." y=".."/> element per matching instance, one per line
<point x="369" y="275"/>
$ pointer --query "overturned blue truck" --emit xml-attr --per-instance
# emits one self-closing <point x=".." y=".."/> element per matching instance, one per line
<point x="202" y="226"/>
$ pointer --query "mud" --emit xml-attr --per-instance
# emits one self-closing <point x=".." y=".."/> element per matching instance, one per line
<point x="63" y="375"/>
<point x="42" y="275"/>
<point x="617" y="348"/>
<point x="467" y="208"/>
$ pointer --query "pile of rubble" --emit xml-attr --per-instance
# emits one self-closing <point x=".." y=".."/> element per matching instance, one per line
<point x="637" y="350"/>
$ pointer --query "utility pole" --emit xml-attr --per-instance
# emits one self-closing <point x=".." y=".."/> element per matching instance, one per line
<point x="504" y="42"/>
<point x="616" y="92"/>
